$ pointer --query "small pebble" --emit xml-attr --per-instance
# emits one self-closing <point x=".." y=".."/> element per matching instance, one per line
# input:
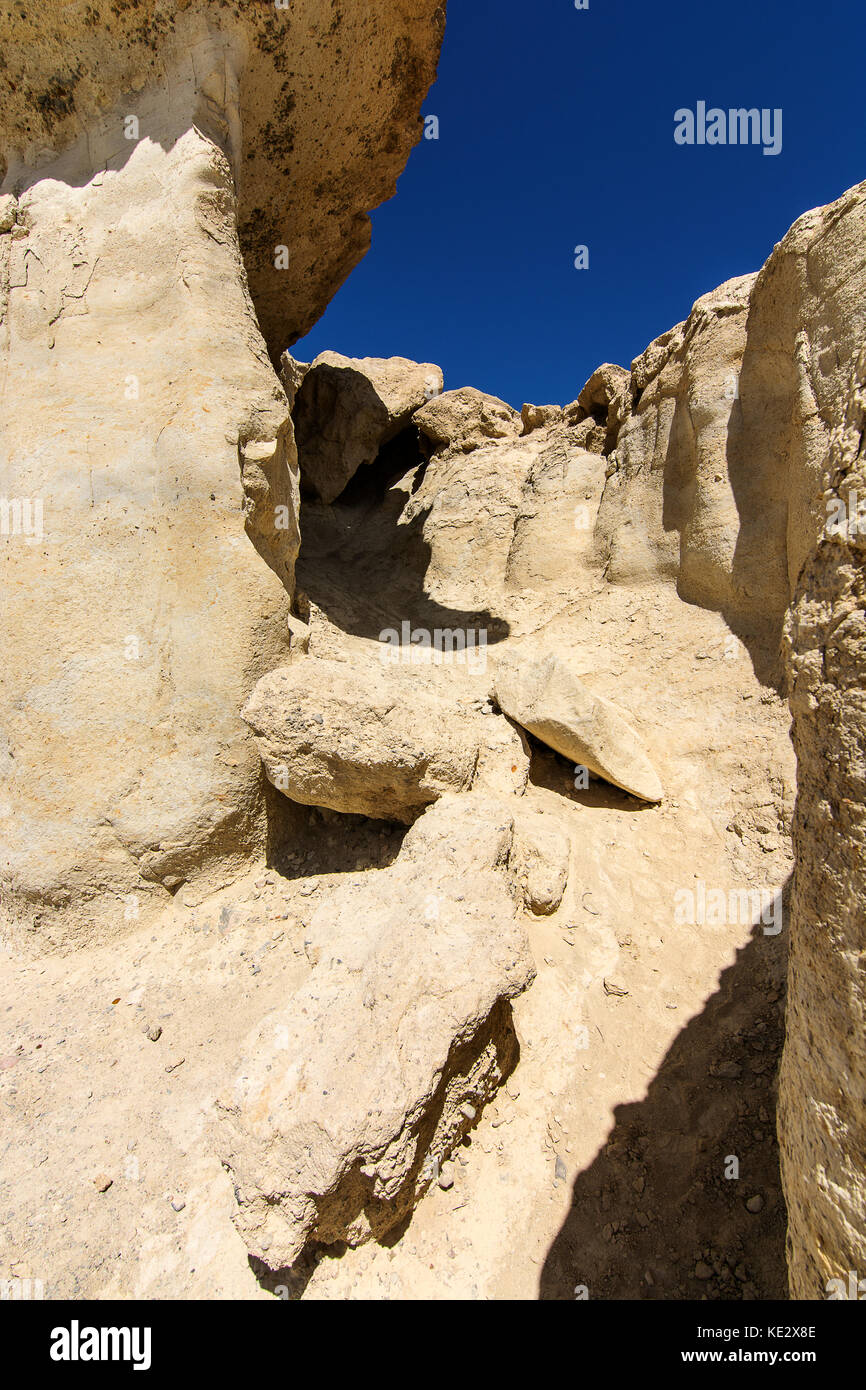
<point x="446" y="1176"/>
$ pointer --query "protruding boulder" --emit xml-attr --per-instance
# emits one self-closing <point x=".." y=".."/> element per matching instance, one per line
<point x="370" y="740"/>
<point x="347" y="408"/>
<point x="350" y="1097"/>
<point x="255" y="79"/>
<point x="597" y="413"/>
<point x="606" y="383"/>
<point x="463" y="420"/>
<point x="549" y="701"/>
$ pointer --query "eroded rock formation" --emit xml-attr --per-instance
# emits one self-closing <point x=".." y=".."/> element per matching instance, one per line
<point x="350" y="1099"/>
<point x="492" y="608"/>
<point x="166" y="169"/>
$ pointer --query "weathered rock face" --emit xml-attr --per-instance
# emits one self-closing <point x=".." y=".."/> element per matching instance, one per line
<point x="256" y="80"/>
<point x="157" y="443"/>
<point x="147" y="466"/>
<point x="549" y="701"/>
<point x="367" y="740"/>
<point x="822" y="1094"/>
<point x="349" y="1098"/>
<point x="718" y="461"/>
<point x="669" y="507"/>
<point x="347" y="408"/>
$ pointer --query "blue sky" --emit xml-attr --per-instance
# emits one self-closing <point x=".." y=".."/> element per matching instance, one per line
<point x="556" y="129"/>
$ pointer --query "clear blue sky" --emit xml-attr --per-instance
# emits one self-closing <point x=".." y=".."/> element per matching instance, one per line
<point x="557" y="129"/>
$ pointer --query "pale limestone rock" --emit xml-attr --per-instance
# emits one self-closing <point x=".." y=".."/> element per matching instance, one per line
<point x="349" y="1097"/>
<point x="607" y="383"/>
<point x="717" y="481"/>
<point x="347" y="408"/>
<point x="466" y="506"/>
<point x="553" y="542"/>
<point x="465" y="419"/>
<point x="548" y="700"/>
<point x="144" y="153"/>
<point x="373" y="740"/>
<point x="586" y="433"/>
<point x="156" y="458"/>
<point x="669" y="509"/>
<point x="292" y="375"/>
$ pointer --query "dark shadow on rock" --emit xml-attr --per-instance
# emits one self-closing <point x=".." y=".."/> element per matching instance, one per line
<point x="304" y="841"/>
<point x="655" y="1201"/>
<point x="557" y="774"/>
<point x="337" y="411"/>
<point x="364" y="569"/>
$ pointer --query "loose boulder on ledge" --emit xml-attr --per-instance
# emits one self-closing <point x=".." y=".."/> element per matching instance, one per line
<point x="549" y="701"/>
<point x="371" y="741"/>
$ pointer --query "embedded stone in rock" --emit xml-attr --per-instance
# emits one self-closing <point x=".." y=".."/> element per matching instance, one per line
<point x="549" y="701"/>
<point x="347" y="408"/>
<point x="351" y="1096"/>
<point x="362" y="739"/>
<point x="465" y="419"/>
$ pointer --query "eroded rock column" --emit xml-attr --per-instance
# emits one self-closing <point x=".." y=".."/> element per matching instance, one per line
<point x="143" y="432"/>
